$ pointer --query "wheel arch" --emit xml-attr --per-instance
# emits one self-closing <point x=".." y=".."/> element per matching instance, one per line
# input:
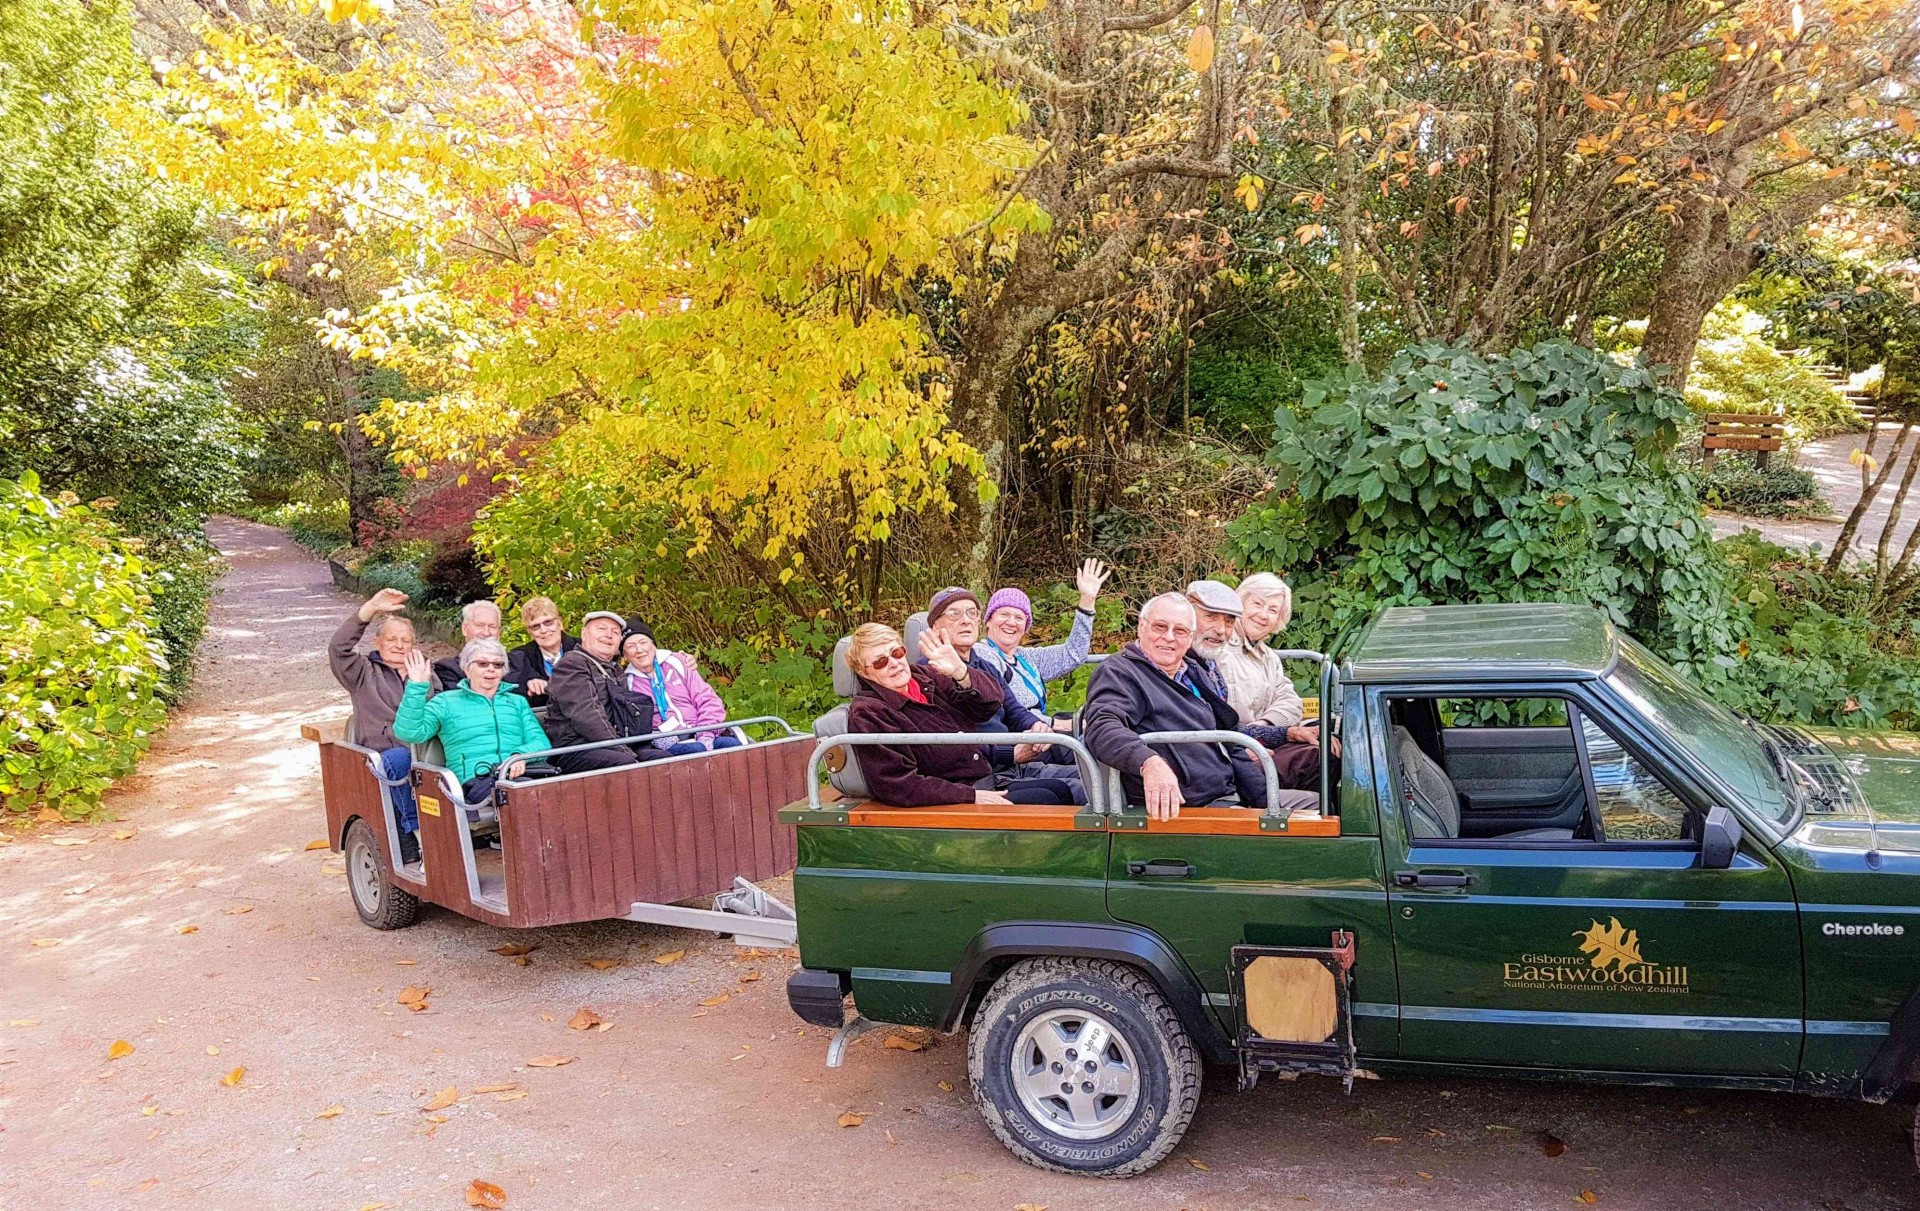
<point x="1000" y="946"/>
<point x="1895" y="1068"/>
<point x="340" y="838"/>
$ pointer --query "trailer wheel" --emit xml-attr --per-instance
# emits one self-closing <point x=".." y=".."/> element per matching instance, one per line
<point x="379" y="903"/>
<point x="1081" y="1066"/>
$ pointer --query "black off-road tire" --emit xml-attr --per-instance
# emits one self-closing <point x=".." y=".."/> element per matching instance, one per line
<point x="380" y="903"/>
<point x="1164" y="1063"/>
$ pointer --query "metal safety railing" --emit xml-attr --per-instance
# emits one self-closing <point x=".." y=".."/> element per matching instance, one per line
<point x="1326" y="722"/>
<point x="649" y="738"/>
<point x="1261" y="757"/>
<point x="1083" y="757"/>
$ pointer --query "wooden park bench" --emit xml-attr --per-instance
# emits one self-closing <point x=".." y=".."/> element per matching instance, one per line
<point x="1736" y="431"/>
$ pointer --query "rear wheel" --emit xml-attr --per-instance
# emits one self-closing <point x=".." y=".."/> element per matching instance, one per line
<point x="379" y="903"/>
<point x="1081" y="1066"/>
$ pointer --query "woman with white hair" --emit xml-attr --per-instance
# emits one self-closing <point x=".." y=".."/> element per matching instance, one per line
<point x="478" y="725"/>
<point x="1262" y="694"/>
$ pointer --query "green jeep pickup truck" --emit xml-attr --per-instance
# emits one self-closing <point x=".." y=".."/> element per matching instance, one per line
<point x="1546" y="855"/>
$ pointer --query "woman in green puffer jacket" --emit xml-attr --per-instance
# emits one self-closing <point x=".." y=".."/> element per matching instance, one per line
<point x="478" y="725"/>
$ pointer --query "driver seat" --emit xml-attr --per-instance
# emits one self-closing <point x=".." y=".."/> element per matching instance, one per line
<point x="1433" y="803"/>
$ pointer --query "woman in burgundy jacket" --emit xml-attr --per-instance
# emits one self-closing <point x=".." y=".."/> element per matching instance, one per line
<point x="942" y="695"/>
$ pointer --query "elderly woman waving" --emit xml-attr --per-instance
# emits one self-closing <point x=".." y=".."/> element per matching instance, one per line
<point x="480" y="722"/>
<point x="1026" y="671"/>
<point x="1262" y="694"/>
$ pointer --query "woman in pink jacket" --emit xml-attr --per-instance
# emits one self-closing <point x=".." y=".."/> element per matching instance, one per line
<point x="672" y="687"/>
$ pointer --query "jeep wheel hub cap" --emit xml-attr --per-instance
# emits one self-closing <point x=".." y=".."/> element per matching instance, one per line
<point x="1075" y="1074"/>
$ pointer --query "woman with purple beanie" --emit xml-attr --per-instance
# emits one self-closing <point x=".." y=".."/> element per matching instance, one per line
<point x="1027" y="670"/>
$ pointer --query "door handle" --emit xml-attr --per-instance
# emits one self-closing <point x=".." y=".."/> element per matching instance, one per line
<point x="1431" y="878"/>
<point x="1160" y="868"/>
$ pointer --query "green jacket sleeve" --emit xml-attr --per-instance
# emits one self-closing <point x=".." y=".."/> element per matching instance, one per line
<point x="415" y="721"/>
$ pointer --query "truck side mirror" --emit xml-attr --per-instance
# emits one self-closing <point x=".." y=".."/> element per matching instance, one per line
<point x="1719" y="839"/>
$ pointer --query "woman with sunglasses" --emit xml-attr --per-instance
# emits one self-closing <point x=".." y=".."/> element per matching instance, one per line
<point x="478" y="725"/>
<point x="942" y="695"/>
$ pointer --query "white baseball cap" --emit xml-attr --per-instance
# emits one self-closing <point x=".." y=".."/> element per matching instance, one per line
<point x="615" y="619"/>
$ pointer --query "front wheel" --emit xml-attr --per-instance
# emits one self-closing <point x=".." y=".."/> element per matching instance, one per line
<point x="379" y="903"/>
<point x="1081" y="1066"/>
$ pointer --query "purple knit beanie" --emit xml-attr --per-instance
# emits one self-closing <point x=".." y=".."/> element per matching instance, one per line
<point x="1003" y="599"/>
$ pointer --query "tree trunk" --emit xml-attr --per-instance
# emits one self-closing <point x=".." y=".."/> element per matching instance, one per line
<point x="1845" y="540"/>
<point x="1893" y="520"/>
<point x="1683" y="295"/>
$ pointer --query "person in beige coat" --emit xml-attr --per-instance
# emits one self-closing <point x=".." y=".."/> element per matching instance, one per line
<point x="1258" y="686"/>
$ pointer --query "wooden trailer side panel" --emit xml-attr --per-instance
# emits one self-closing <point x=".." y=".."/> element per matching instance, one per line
<point x="587" y="848"/>
<point x="350" y="790"/>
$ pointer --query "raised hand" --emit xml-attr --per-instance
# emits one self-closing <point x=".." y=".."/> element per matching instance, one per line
<point x="386" y="601"/>
<point x="1088" y="579"/>
<point x="417" y="667"/>
<point x="940" y="655"/>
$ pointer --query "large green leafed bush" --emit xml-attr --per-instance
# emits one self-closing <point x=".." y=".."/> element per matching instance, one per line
<point x="80" y="665"/>
<point x="1544" y="475"/>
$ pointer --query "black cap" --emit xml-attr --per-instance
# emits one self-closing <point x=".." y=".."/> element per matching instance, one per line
<point x="635" y="626"/>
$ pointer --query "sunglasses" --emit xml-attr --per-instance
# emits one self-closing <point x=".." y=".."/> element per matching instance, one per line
<point x="886" y="658"/>
<point x="487" y="664"/>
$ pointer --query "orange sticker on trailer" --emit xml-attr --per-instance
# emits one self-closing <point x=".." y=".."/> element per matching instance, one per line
<point x="429" y="807"/>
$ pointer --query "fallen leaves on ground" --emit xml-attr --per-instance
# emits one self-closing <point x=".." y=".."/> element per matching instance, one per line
<point x="1552" y="1144"/>
<point x="511" y="1095"/>
<point x="120" y="1049"/>
<point x="716" y="999"/>
<point x="1384" y="1139"/>
<point x="502" y="1087"/>
<point x="672" y="956"/>
<point x="47" y="815"/>
<point x="586" y="1019"/>
<point x="333" y="1111"/>
<point x="446" y="1097"/>
<point x="212" y="1050"/>
<point x="188" y="929"/>
<point x="72" y="841"/>
<point x="317" y="843"/>
<point x="603" y="964"/>
<point x="146" y="1185"/>
<point x="900" y="1042"/>
<point x="150" y="1111"/>
<point x="237" y="909"/>
<point x="1587" y="1196"/>
<point x="233" y="1078"/>
<point x="1423" y="1173"/>
<point x="1030" y="1207"/>
<point x="750" y="977"/>
<point x="414" y="997"/>
<point x="23" y="1021"/>
<point x="549" y="1061"/>
<point x="515" y="949"/>
<point x="485" y="1194"/>
<point x="946" y="1086"/>
<point x="1201" y="1165"/>
<point x="849" y="1118"/>
<point x="45" y="942"/>
<point x="121" y="834"/>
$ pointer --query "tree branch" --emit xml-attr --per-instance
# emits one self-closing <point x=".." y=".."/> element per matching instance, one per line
<point x="1145" y="20"/>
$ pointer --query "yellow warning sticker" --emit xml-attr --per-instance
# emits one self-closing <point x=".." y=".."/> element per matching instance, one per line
<point x="429" y="807"/>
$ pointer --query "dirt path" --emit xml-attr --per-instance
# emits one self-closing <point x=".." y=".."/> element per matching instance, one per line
<point x="1828" y="458"/>
<point x="679" y="1105"/>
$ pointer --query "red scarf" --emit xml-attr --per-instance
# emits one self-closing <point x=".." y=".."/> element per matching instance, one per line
<point x="914" y="692"/>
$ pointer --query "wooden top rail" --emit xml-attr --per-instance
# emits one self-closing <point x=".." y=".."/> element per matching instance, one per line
<point x="1204" y="821"/>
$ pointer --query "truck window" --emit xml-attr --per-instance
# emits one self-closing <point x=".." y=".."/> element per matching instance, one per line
<point x="1510" y="769"/>
<point x="1631" y="801"/>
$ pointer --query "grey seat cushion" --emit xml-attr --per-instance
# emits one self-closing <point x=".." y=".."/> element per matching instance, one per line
<point x="845" y="683"/>
<point x="910" y="636"/>
<point x="848" y="779"/>
<point x="1433" y="806"/>
<point x="1299" y="801"/>
<point x="1539" y="834"/>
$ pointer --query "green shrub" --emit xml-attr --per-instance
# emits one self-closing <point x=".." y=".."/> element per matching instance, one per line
<point x="319" y="526"/>
<point x="1544" y="475"/>
<point x="1736" y="369"/>
<point x="1780" y="490"/>
<point x="184" y="574"/>
<point x="80" y="665"/>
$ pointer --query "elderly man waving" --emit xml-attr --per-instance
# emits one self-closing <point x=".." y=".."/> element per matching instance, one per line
<point x="1153" y="685"/>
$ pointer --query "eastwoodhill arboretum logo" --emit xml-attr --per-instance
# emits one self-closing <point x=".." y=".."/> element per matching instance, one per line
<point x="1610" y="960"/>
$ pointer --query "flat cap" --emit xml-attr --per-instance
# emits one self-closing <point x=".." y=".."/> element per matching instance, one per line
<point x="1214" y="597"/>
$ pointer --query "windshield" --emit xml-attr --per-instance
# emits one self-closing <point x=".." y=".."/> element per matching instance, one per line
<point x="1727" y="748"/>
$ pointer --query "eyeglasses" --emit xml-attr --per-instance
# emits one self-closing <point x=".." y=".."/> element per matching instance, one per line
<point x="543" y="624"/>
<point x="1169" y="630"/>
<point x="487" y="664"/>
<point x="963" y="613"/>
<point x="884" y="659"/>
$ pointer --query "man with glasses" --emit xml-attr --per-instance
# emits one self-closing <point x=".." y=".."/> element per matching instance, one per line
<point x="954" y="615"/>
<point x="1152" y="685"/>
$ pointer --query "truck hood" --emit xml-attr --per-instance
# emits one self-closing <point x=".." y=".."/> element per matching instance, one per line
<point x="1881" y="809"/>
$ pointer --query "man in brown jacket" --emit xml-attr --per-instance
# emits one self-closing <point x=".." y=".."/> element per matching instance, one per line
<point x="580" y="700"/>
<point x="375" y="682"/>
